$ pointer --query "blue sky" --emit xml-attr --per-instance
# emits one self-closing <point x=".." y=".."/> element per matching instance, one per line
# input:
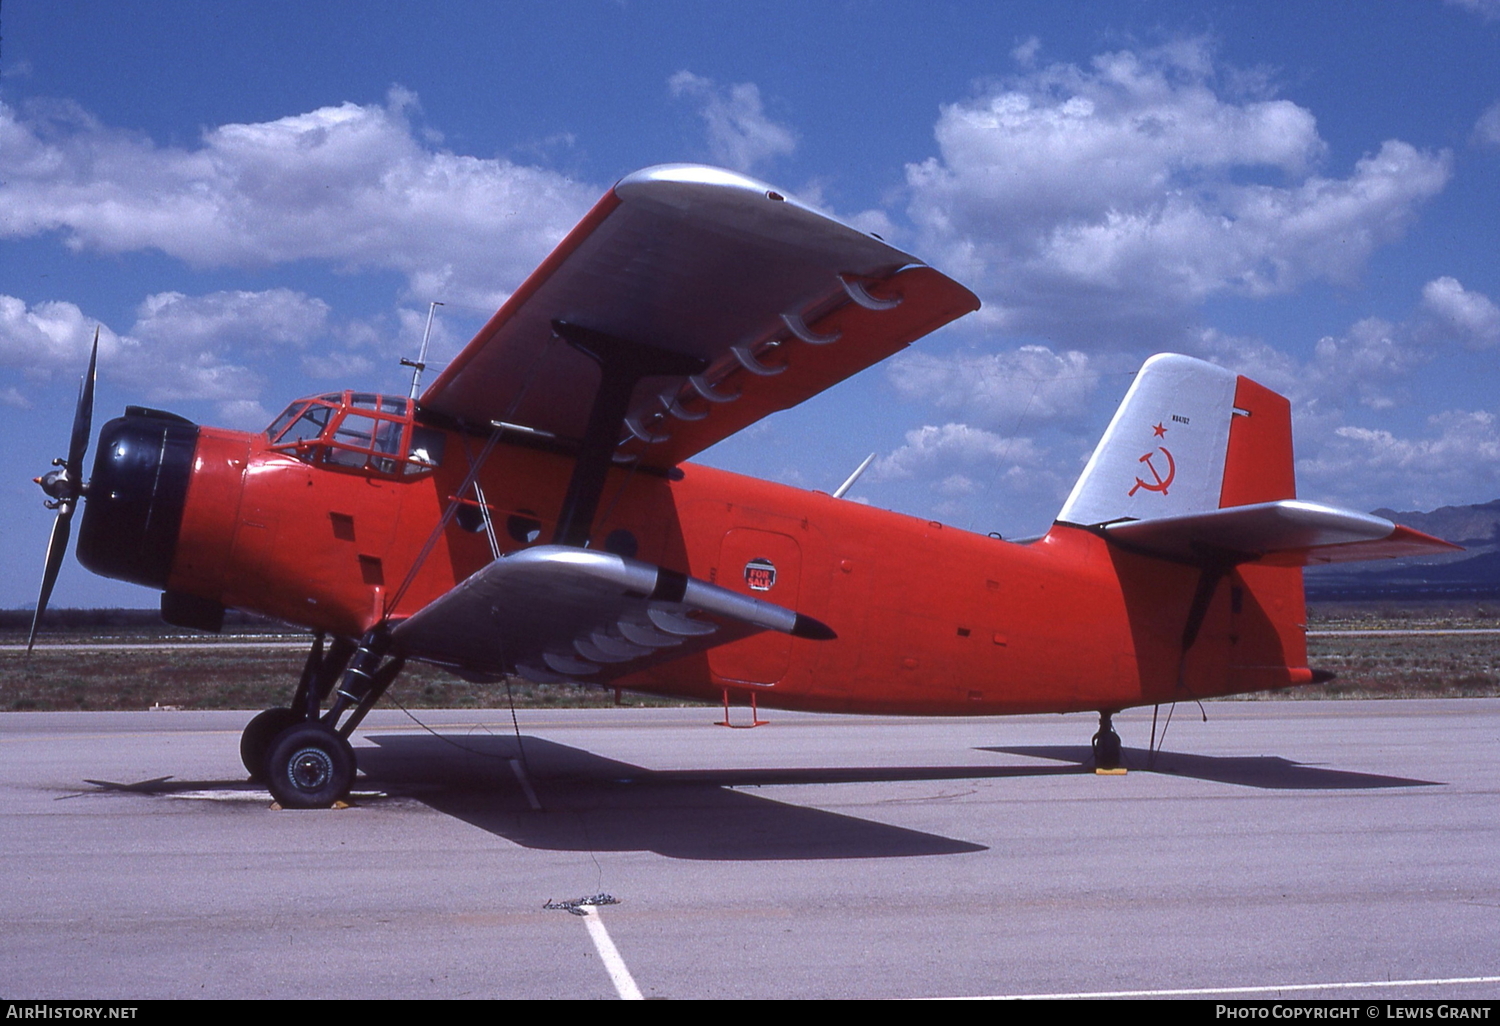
<point x="258" y="200"/>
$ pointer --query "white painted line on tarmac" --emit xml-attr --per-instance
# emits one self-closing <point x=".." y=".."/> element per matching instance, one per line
<point x="519" y="770"/>
<point x="1284" y="988"/>
<point x="1434" y="632"/>
<point x="613" y="963"/>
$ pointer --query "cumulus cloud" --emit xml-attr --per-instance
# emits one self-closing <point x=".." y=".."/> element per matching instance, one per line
<point x="355" y="185"/>
<point x="954" y="443"/>
<point x="1470" y="318"/>
<point x="740" y="136"/>
<point x="1002" y="390"/>
<point x="261" y="320"/>
<point x="1099" y="204"/>
<point x="1459" y="463"/>
<point x="49" y="337"/>
<point x="179" y="347"/>
<point x="1487" y="128"/>
<point x="965" y="473"/>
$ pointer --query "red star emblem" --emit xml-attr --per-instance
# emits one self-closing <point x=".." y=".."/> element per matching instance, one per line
<point x="1161" y="432"/>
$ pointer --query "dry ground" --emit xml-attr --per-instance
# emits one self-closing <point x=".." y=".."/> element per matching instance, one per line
<point x="215" y="677"/>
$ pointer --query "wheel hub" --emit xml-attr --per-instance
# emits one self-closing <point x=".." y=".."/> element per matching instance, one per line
<point x="311" y="769"/>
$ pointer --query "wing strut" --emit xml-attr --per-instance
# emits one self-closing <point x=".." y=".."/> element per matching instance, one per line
<point x="622" y="364"/>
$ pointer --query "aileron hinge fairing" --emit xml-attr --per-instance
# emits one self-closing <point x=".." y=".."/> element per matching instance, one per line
<point x="798" y="327"/>
<point x="860" y="295"/>
<point x="748" y="361"/>
<point x="703" y="388"/>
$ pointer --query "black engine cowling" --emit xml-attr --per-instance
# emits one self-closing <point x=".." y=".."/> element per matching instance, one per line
<point x="133" y="507"/>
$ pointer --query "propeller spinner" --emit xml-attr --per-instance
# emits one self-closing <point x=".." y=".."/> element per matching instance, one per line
<point x="64" y="486"/>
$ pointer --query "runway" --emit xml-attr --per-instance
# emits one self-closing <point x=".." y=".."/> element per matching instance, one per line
<point x="1295" y="849"/>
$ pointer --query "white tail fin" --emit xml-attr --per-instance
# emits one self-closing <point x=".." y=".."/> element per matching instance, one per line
<point x="1188" y="437"/>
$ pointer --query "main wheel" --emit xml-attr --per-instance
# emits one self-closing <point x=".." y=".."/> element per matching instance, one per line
<point x="255" y="742"/>
<point x="1107" y="750"/>
<point x="310" y="767"/>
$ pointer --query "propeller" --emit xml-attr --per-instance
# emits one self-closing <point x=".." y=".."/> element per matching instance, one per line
<point x="64" y="486"/>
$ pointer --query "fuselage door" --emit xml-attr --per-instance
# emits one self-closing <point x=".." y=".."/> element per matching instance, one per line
<point x="765" y="565"/>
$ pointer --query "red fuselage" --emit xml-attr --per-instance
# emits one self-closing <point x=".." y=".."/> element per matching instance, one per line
<point x="930" y="619"/>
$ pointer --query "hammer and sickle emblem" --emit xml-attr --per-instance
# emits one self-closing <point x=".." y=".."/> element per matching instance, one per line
<point x="1161" y="483"/>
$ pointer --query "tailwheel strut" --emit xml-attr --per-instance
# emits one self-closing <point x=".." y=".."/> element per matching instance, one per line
<point x="1106" y="745"/>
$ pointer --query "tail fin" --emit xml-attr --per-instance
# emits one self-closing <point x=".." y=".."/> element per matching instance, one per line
<point x="1189" y="437"/>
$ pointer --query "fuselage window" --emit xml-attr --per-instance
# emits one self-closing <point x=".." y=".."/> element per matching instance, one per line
<point x="426" y="450"/>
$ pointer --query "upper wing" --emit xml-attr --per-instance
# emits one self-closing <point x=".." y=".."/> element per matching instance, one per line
<point x="558" y="612"/>
<point x="1290" y="532"/>
<point x="777" y="300"/>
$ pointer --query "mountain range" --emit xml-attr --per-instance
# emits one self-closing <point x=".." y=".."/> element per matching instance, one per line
<point x="1473" y="573"/>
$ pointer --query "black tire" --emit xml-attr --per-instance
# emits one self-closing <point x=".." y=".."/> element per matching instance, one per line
<point x="255" y="742"/>
<point x="1107" y="750"/>
<point x="310" y="767"/>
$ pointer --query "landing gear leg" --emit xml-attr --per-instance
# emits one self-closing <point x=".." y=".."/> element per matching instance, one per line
<point x="1106" y="745"/>
<point x="318" y="676"/>
<point x="310" y="764"/>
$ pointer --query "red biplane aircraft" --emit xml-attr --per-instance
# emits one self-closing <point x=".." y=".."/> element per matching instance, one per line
<point x="533" y="512"/>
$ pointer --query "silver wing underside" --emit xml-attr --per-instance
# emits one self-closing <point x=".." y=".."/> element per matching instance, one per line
<point x="556" y="612"/>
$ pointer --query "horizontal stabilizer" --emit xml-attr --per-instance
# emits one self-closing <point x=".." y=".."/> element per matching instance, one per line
<point x="1285" y="533"/>
<point x="556" y="612"/>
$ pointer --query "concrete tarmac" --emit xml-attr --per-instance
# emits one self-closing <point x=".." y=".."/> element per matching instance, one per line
<point x="1292" y="848"/>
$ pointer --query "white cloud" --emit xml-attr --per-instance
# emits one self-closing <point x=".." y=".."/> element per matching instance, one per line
<point x="49" y="337"/>
<point x="1000" y="390"/>
<point x="354" y="185"/>
<point x="1024" y="53"/>
<point x="245" y="414"/>
<point x="967" y="475"/>
<point x="1459" y="463"/>
<point x="1487" y="128"/>
<point x="1469" y="317"/>
<point x="265" y="320"/>
<point x="1099" y="204"/>
<point x="1489" y="10"/>
<point x="740" y="136"/>
<point x="180" y="347"/>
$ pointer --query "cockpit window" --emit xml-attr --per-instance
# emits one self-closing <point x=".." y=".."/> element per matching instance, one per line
<point x="308" y="426"/>
<point x="286" y="418"/>
<point x="358" y="431"/>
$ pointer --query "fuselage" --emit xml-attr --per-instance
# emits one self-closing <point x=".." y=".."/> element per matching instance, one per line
<point x="929" y="619"/>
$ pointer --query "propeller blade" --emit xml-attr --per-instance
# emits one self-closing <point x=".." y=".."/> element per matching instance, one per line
<point x="57" y="548"/>
<point x="83" y="417"/>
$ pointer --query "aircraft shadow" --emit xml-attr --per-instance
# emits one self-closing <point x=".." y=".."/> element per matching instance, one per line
<point x="591" y="803"/>
<point x="1265" y="771"/>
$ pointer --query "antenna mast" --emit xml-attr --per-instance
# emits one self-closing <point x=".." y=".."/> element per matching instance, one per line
<point x="421" y="362"/>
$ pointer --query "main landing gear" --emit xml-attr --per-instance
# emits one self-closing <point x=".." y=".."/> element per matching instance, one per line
<point x="1106" y="745"/>
<point x="302" y="753"/>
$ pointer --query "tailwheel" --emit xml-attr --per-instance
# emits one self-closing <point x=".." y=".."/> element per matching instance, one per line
<point x="1107" y="746"/>
<point x="309" y="767"/>
<point x="255" y="742"/>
